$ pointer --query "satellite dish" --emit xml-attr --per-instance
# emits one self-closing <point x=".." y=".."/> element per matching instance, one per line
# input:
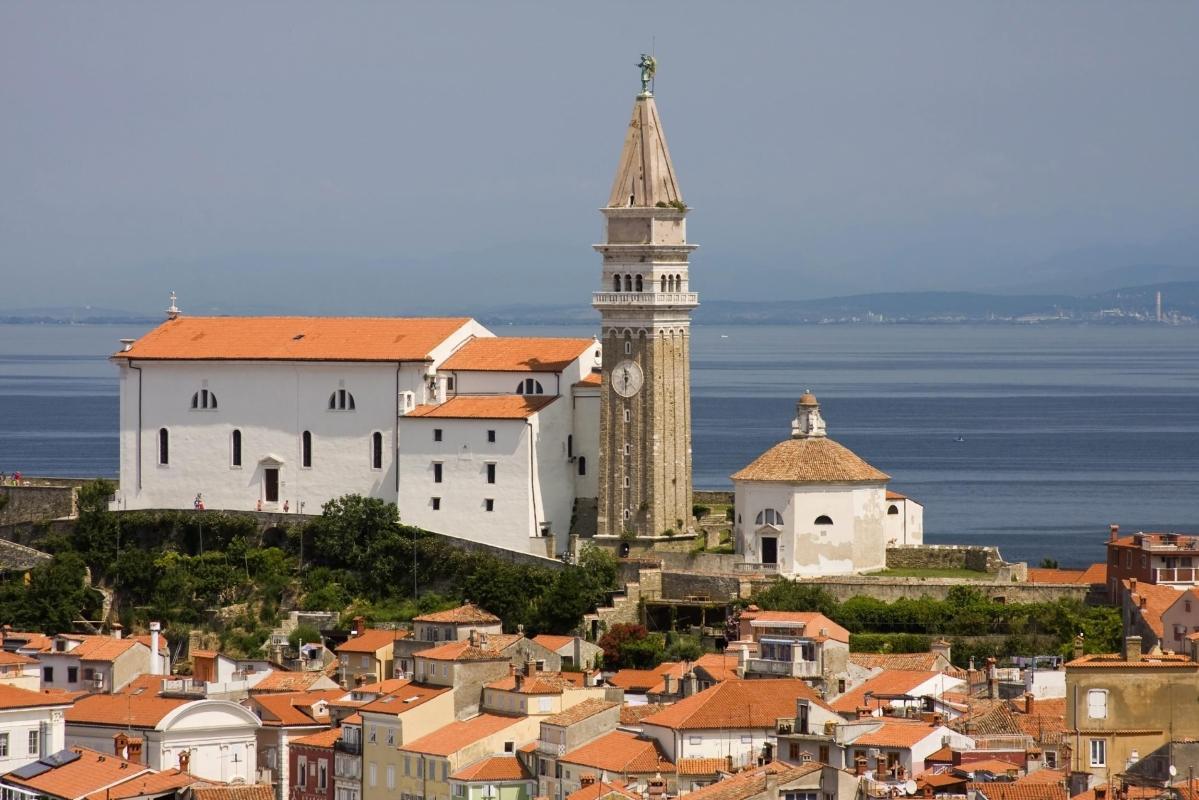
<point x="1173" y="771"/>
<point x="909" y="787"/>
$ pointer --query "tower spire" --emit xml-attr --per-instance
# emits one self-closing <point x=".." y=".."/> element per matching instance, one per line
<point x="645" y="176"/>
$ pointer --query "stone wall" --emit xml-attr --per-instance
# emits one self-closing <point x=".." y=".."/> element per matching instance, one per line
<point x="710" y="498"/>
<point x="36" y="502"/>
<point x="891" y="589"/>
<point x="19" y="558"/>
<point x="944" y="556"/>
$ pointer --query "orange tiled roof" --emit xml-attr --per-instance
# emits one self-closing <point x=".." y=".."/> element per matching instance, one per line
<point x="641" y="680"/>
<point x="101" y="648"/>
<point x="144" y="638"/>
<point x="591" y="379"/>
<point x="371" y="640"/>
<point x="1095" y="575"/>
<point x="8" y="659"/>
<point x="602" y="789"/>
<point x="541" y="683"/>
<point x="620" y="752"/>
<point x="718" y="666"/>
<point x="702" y="766"/>
<point x="997" y="766"/>
<point x="13" y="697"/>
<point x="451" y="738"/>
<point x="353" y="719"/>
<point x="467" y="614"/>
<point x="385" y="686"/>
<point x="91" y="772"/>
<point x="896" y="733"/>
<point x="500" y="406"/>
<point x="284" y="681"/>
<point x="517" y="354"/>
<point x="461" y="651"/>
<point x="1043" y="776"/>
<point x="326" y="739"/>
<point x="892" y="681"/>
<point x="495" y="768"/>
<point x="294" y="339"/>
<point x="921" y="662"/>
<point x="737" y="704"/>
<point x="896" y="495"/>
<point x="130" y="709"/>
<point x="632" y="715"/>
<point x="1156" y="598"/>
<point x="286" y="709"/>
<point x="407" y="696"/>
<point x="555" y="643"/>
<point x="752" y="783"/>
<point x="813" y="622"/>
<point x="29" y="640"/>
<point x="1116" y="661"/>
<point x="579" y="711"/>
<point x="1047" y="722"/>
<point x="1005" y="790"/>
<point x="816" y="460"/>
<point x="257" y="791"/>
<point x="148" y="784"/>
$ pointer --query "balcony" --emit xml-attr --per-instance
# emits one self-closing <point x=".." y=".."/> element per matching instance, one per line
<point x="351" y="748"/>
<point x="786" y="669"/>
<point x="682" y="299"/>
<point x="1178" y="575"/>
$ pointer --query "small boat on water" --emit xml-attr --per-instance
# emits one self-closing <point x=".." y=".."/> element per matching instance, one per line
<point x="960" y="438"/>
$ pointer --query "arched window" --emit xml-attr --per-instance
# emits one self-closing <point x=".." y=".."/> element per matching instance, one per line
<point x="529" y="386"/>
<point x="236" y="449"/>
<point x="768" y="516"/>
<point x="893" y="509"/>
<point x="582" y="465"/>
<point x="306" y="449"/>
<point x="823" y="519"/>
<point x="616" y="283"/>
<point x="203" y="400"/>
<point x="164" y="446"/>
<point x="376" y="450"/>
<point x="678" y="283"/>
<point x="638" y="284"/>
<point x="663" y="283"/>
<point x="341" y="400"/>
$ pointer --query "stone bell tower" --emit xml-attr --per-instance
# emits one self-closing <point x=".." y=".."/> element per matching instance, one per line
<point x="645" y="304"/>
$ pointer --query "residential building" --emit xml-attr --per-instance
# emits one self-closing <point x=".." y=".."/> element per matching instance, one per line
<point x="565" y="732"/>
<point x="408" y="713"/>
<point x="937" y="659"/>
<point x="368" y="655"/>
<point x="593" y="789"/>
<point x="1155" y="558"/>
<point x="529" y="691"/>
<point x="1144" y="606"/>
<point x="493" y="778"/>
<point x="23" y="672"/>
<point x="428" y="762"/>
<point x="1180" y="620"/>
<point x="280" y="681"/>
<point x="790" y="644"/>
<point x="451" y="625"/>
<point x="574" y="651"/>
<point x="897" y="692"/>
<point x="888" y="750"/>
<point x="312" y="765"/>
<point x="810" y="506"/>
<point x="78" y="773"/>
<point x="77" y="663"/>
<point x="904" y="520"/>
<point x="31" y="725"/>
<point x="466" y="667"/>
<point x="624" y="756"/>
<point x="347" y="760"/>
<point x="287" y="716"/>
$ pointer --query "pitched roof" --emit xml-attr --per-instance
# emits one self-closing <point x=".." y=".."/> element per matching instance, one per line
<point x="632" y="715"/>
<point x="602" y="789"/>
<point x="125" y="708"/>
<point x="101" y="648"/>
<point x="495" y="768"/>
<point x="620" y="752"/>
<point x="540" y="683"/>
<point x="1015" y="790"/>
<point x="551" y="642"/>
<point x="737" y="704"/>
<point x="923" y="662"/>
<point x="1150" y="601"/>
<point x="287" y="709"/>
<point x="14" y="697"/>
<point x="641" y="680"/>
<point x="812" y="622"/>
<point x="986" y="717"/>
<point x="1147" y="661"/>
<point x="815" y="460"/>
<point x="466" y="614"/>
<point x="644" y="174"/>
<point x="752" y="783"/>
<point x="579" y="712"/>
<point x="148" y="784"/>
<point x="164" y="646"/>
<point x="590" y="379"/>
<point x="997" y="766"/>
<point x="718" y="666"/>
<point x="892" y="681"/>
<point x="405" y="697"/>
<point x="294" y="338"/>
<point x="702" y="766"/>
<point x="461" y="651"/>
<point x="453" y="737"/>
<point x="326" y="738"/>
<point x="90" y="772"/>
<point x="257" y="791"/>
<point x="1044" y="775"/>
<point x="371" y="640"/>
<point x="517" y="354"/>
<point x="8" y="659"/>
<point x="28" y="640"/>
<point x="500" y="406"/>
<point x="283" y="681"/>
<point x="896" y="733"/>
<point x="1046" y="723"/>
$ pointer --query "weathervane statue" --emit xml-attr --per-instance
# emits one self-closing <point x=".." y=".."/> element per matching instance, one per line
<point x="649" y="65"/>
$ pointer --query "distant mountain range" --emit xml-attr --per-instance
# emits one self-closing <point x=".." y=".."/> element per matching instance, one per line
<point x="1180" y="302"/>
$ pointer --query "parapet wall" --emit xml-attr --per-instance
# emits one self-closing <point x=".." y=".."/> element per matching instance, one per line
<point x="37" y="501"/>
<point x="944" y="556"/>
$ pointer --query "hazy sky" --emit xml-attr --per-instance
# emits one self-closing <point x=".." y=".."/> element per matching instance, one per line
<point x="405" y="157"/>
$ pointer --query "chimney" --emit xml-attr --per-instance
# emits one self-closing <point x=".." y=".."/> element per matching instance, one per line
<point x="586" y="779"/>
<point x="942" y="647"/>
<point x="195" y="641"/>
<point x="690" y="684"/>
<point x="116" y="630"/>
<point x="862" y="712"/>
<point x="1100" y="793"/>
<point x="185" y="758"/>
<point x="992" y="679"/>
<point x="1079" y="650"/>
<point x="859" y="765"/>
<point x="120" y="743"/>
<point x="1030" y="702"/>
<point x="1132" y="585"/>
<point x="135" y="749"/>
<point x="1115" y="532"/>
<point x="473" y="638"/>
<point x="1144" y="602"/>
<point x="359" y="626"/>
<point x="667" y="683"/>
<point x="520" y="680"/>
<point x="155" y="658"/>
<point x="530" y="666"/>
<point x="1132" y="648"/>
<point x="880" y="768"/>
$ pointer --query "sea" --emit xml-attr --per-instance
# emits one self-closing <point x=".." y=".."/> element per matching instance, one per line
<point x="1029" y="438"/>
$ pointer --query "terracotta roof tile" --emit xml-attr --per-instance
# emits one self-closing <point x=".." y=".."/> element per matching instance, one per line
<point x="1095" y="575"/>
<point x="257" y="791"/>
<point x="495" y="768"/>
<point x="28" y="640"/>
<point x="14" y="697"/>
<point x="294" y="338"/>
<point x="1006" y="790"/>
<point x="737" y="704"/>
<point x="579" y="712"/>
<point x="8" y="659"/>
<point x="148" y="784"/>
<point x="461" y="651"/>
<point x="986" y="717"/>
<point x="467" y="614"/>
<point x="702" y="766"/>
<point x="353" y="719"/>
<point x="500" y="406"/>
<point x="409" y="695"/>
<point x="288" y="709"/>
<point x="134" y="710"/>
<point x="620" y="752"/>
<point x="1116" y="661"/>
<point x="1043" y="776"/>
<point x="892" y="681"/>
<point x="1047" y="723"/>
<point x="632" y="715"/>
<point x="91" y="772"/>
<point x="812" y="622"/>
<point x="641" y="680"/>
<point x="1156" y="600"/>
<point x="451" y="738"/>
<point x="816" y="460"/>
<point x="101" y="648"/>
<point x="555" y="643"/>
<point x="592" y="379"/>
<point x="896" y="733"/>
<point x="282" y="681"/>
<point x="372" y="640"/>
<point x="751" y="782"/>
<point x="996" y="766"/>
<point x="144" y="638"/>
<point x="541" y="683"/>
<point x="603" y="789"/>
<point x="517" y="354"/>
<point x="324" y="739"/>
<point x="920" y="662"/>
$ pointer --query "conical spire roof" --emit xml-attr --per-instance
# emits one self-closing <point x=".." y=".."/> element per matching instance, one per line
<point x="645" y="175"/>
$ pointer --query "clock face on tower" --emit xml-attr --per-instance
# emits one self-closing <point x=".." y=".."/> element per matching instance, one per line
<point x="627" y="378"/>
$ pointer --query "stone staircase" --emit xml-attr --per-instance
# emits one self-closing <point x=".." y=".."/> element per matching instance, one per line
<point x="625" y="605"/>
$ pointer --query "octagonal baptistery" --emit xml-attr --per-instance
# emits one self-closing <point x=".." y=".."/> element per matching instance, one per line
<point x="810" y="506"/>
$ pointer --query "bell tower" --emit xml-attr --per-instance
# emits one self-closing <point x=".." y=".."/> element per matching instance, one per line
<point x="645" y="305"/>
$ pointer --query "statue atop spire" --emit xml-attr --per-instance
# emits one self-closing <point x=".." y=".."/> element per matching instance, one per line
<point x="649" y="66"/>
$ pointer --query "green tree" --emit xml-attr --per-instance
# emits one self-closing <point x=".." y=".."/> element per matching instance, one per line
<point x="615" y="638"/>
<point x="785" y="595"/>
<point x="303" y="633"/>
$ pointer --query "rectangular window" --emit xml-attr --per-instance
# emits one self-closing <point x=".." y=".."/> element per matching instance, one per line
<point x="306" y="449"/>
<point x="302" y="772"/>
<point x="1098" y="753"/>
<point x="491" y="436"/>
<point x="420" y="766"/>
<point x="391" y="736"/>
<point x="35" y="743"/>
<point x="1097" y="704"/>
<point x="372" y="773"/>
<point x="436" y="503"/>
<point x="72" y="674"/>
<point x="376" y="450"/>
<point x="408" y="766"/>
<point x="47" y="674"/>
<point x="391" y="777"/>
<point x="823" y="757"/>
<point x="3" y="745"/>
<point x="372" y="734"/>
<point x="449" y="383"/>
<point x="489" y="504"/>
<point x="236" y="459"/>
<point x="437" y="467"/>
<point x="491" y="473"/>
<point x="437" y="434"/>
<point x="626" y="415"/>
<point x="322" y="775"/>
<point x="164" y="446"/>
<point x="695" y="740"/>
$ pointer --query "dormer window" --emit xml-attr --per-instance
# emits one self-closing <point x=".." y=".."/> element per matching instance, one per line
<point x="204" y="400"/>
<point x="341" y="400"/>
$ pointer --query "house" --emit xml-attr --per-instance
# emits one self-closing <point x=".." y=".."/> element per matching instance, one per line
<point x="567" y="731"/>
<point x="451" y="625"/>
<point x="78" y="773"/>
<point x="1170" y="559"/>
<point x="937" y="659"/>
<point x="529" y="691"/>
<point x="280" y="681"/>
<point x="1144" y="606"/>
<point x="466" y="667"/>
<point x="21" y="671"/>
<point x="737" y="720"/>
<point x="627" y="757"/>
<point x="499" y="777"/>
<point x="311" y="765"/>
<point x="347" y="760"/>
<point x="218" y="735"/>
<point x="777" y="781"/>
<point x="408" y="713"/>
<point x="888" y="750"/>
<point x="1114" y="707"/>
<point x="429" y="761"/>
<point x="790" y="644"/>
<point x="904" y="521"/>
<point x="575" y="651"/>
<point x="368" y="655"/>
<point x="75" y="663"/>
<point x="683" y="679"/>
<point x="31" y="725"/>
<point x="810" y="506"/>
<point x="896" y="691"/>
<point x="1180" y="620"/>
<point x="286" y="716"/>
<point x="593" y="789"/>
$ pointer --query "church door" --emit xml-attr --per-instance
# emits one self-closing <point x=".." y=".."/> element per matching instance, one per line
<point x="770" y="550"/>
<point x="272" y="484"/>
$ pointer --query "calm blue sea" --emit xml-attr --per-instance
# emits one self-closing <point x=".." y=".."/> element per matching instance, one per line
<point x="1066" y="429"/>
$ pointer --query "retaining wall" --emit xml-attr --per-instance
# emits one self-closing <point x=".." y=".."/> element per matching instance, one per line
<point x="36" y="502"/>
<point x="944" y="556"/>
